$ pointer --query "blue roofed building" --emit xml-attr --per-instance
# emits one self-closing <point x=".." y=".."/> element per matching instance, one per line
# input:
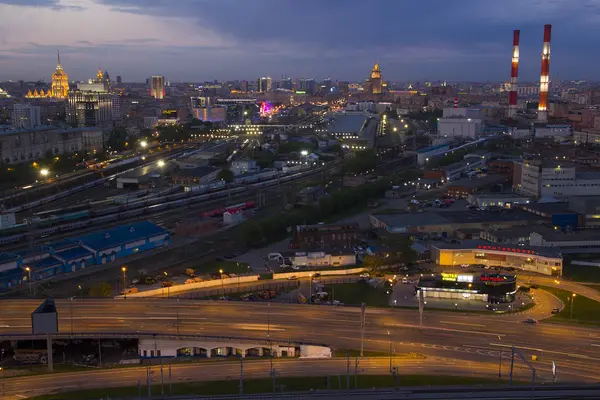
<point x="69" y="255"/>
<point x="124" y="240"/>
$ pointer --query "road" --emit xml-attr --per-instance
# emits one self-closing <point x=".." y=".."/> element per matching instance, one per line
<point x="466" y="339"/>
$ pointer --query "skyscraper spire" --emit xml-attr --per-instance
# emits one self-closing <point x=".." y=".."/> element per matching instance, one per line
<point x="58" y="54"/>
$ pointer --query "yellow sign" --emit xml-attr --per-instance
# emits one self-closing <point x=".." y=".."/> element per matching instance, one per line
<point x="449" y="277"/>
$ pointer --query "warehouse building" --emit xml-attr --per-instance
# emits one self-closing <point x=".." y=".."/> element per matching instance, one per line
<point x="69" y="255"/>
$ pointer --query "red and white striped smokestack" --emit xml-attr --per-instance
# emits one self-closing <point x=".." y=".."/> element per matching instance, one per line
<point x="456" y="102"/>
<point x="545" y="77"/>
<point x="514" y="74"/>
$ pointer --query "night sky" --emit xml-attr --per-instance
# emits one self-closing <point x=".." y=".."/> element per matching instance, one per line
<point x="196" y="40"/>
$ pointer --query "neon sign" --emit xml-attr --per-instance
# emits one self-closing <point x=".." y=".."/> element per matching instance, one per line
<point x="507" y="249"/>
<point x="492" y="279"/>
<point x="449" y="277"/>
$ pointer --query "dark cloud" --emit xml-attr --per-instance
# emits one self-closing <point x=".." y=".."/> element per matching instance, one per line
<point x="31" y="3"/>
<point x="60" y="7"/>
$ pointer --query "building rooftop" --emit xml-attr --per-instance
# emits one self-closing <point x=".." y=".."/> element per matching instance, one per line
<point x="502" y="195"/>
<point x="44" y="263"/>
<point x="349" y="123"/>
<point x="480" y="244"/>
<point x="478" y="182"/>
<point x="198" y="171"/>
<point x="121" y="234"/>
<point x="550" y="234"/>
<point x="73" y="254"/>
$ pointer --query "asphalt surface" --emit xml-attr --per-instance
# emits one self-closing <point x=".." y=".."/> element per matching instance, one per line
<point x="458" y="343"/>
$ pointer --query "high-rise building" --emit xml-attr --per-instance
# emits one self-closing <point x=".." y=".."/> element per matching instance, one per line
<point x="308" y="85"/>
<point x="25" y="116"/>
<point x="244" y="86"/>
<point x="119" y="79"/>
<point x="88" y="108"/>
<point x="376" y="80"/>
<point x="157" y="87"/>
<point x="286" y="83"/>
<point x="59" y="88"/>
<point x="264" y="84"/>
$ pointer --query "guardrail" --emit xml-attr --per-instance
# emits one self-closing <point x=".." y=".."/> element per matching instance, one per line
<point x="174" y="290"/>
<point x="306" y="274"/>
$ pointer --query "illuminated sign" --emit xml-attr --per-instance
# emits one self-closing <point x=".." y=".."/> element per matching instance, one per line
<point x="449" y="277"/>
<point x="300" y="91"/>
<point x="492" y="278"/>
<point x="507" y="249"/>
<point x="465" y="278"/>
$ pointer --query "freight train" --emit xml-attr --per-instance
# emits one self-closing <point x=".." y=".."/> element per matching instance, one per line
<point x="217" y="212"/>
<point x="133" y="209"/>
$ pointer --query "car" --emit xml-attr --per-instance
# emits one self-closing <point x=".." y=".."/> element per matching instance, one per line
<point x="293" y="278"/>
<point x="464" y="265"/>
<point x="530" y="321"/>
<point x="364" y="275"/>
<point x="405" y="280"/>
<point x="555" y="310"/>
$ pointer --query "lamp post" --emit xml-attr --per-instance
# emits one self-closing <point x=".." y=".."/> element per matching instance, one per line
<point x="167" y="284"/>
<point x="80" y="292"/>
<point x="124" y="269"/>
<point x="222" y="282"/>
<point x="310" y="286"/>
<point x="390" y="340"/>
<point x="28" y="280"/>
<point x="572" y="301"/>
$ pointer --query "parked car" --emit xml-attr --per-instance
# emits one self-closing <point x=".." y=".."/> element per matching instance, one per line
<point x="555" y="310"/>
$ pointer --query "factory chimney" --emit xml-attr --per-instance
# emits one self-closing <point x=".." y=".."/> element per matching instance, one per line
<point x="545" y="77"/>
<point x="514" y="74"/>
<point x="456" y="102"/>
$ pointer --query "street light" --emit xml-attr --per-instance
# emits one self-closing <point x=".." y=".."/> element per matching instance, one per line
<point x="28" y="279"/>
<point x="80" y="292"/>
<point x="572" y="301"/>
<point x="44" y="172"/>
<point x="310" y="287"/>
<point x="144" y="144"/>
<point x="222" y="282"/>
<point x="124" y="269"/>
<point x="160" y="163"/>
<point x="390" y="340"/>
<point x="304" y="153"/>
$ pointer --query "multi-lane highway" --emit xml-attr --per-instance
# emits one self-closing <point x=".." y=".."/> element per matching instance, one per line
<point x="474" y="342"/>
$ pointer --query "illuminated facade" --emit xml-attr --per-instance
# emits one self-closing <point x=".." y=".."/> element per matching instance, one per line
<point x="374" y="84"/>
<point x="543" y="260"/>
<point x="157" y="87"/>
<point x="59" y="88"/>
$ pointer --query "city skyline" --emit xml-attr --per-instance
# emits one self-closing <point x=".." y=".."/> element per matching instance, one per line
<point x="429" y="40"/>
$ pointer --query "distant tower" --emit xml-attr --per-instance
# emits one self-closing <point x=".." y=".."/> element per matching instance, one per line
<point x="456" y="102"/>
<point x="514" y="74"/>
<point x="376" y="81"/>
<point x="545" y="76"/>
<point x="60" y="81"/>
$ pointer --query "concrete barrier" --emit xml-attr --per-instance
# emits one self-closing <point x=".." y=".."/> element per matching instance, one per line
<point x="175" y="289"/>
<point x="306" y="274"/>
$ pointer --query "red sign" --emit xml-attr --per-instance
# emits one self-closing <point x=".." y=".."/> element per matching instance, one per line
<point x="508" y="249"/>
<point x="491" y="279"/>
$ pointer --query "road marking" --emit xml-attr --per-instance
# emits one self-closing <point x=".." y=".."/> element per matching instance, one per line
<point x="573" y="355"/>
<point x="120" y="317"/>
<point x="461" y="323"/>
<point x="596" y="345"/>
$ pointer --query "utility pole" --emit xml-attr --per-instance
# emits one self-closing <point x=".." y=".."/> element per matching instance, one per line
<point x="363" y="308"/>
<point x="421" y="308"/>
<point x="348" y="372"/>
<point x="512" y="364"/>
<point x="162" y="378"/>
<point x="170" y="381"/>
<point x="149" y="382"/>
<point x="241" y="376"/>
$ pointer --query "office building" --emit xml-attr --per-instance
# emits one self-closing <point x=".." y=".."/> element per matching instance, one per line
<point x="157" y="87"/>
<point x="212" y="114"/>
<point x="552" y="179"/>
<point x="325" y="236"/>
<point x="88" y="108"/>
<point x="264" y="84"/>
<point x="25" y="145"/>
<point x="201" y="101"/>
<point x="308" y="85"/>
<point x="119" y="79"/>
<point x="25" y="116"/>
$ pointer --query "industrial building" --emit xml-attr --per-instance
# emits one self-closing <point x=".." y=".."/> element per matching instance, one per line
<point x="446" y="224"/>
<point x="542" y="260"/>
<point x="69" y="255"/>
<point x="542" y="179"/>
<point x="325" y="236"/>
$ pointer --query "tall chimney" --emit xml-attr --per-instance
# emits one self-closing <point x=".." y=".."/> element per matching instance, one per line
<point x="456" y="102"/>
<point x="514" y="74"/>
<point x="545" y="77"/>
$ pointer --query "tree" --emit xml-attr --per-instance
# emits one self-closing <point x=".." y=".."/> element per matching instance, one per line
<point x="101" y="289"/>
<point x="225" y="175"/>
<point x="117" y="139"/>
<point x="372" y="263"/>
<point x="362" y="161"/>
